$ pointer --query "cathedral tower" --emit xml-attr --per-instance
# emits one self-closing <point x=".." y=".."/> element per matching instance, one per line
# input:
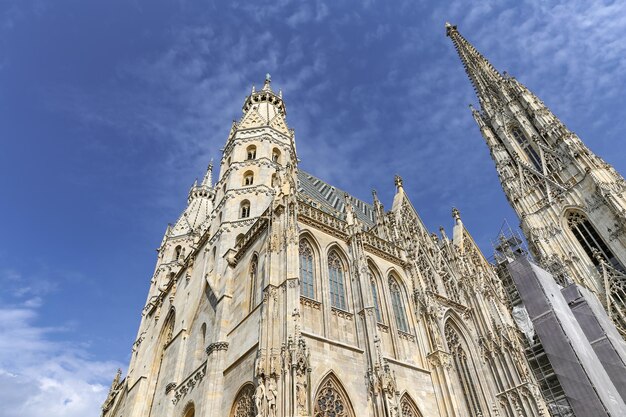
<point x="571" y="204"/>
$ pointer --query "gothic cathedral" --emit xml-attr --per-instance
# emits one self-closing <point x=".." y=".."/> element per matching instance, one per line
<point x="276" y="294"/>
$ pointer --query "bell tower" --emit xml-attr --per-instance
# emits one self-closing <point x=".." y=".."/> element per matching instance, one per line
<point x="571" y="203"/>
<point x="260" y="148"/>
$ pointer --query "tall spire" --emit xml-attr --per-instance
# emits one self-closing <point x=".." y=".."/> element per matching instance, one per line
<point x="208" y="177"/>
<point x="484" y="77"/>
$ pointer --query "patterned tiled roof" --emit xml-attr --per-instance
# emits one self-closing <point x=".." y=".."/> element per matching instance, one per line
<point x="333" y="200"/>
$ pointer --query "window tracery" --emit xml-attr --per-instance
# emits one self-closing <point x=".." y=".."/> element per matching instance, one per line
<point x="336" y="281"/>
<point x="463" y="371"/>
<point x="330" y="401"/>
<point x="590" y="240"/>
<point x="528" y="149"/>
<point x="408" y="407"/>
<point x="398" y="305"/>
<point x="372" y="277"/>
<point x="244" y="403"/>
<point x="307" y="270"/>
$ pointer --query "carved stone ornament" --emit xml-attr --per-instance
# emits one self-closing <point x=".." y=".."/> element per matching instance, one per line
<point x="217" y="346"/>
<point x="245" y="403"/>
<point x="188" y="383"/>
<point x="331" y="402"/>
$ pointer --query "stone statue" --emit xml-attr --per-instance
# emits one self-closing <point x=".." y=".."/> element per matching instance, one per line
<point x="259" y="397"/>
<point x="301" y="396"/>
<point x="271" y="395"/>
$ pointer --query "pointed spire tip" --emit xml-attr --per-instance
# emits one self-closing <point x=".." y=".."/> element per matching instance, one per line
<point x="449" y="28"/>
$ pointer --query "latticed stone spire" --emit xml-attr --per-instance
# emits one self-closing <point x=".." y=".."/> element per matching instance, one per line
<point x="549" y="175"/>
<point x="484" y="77"/>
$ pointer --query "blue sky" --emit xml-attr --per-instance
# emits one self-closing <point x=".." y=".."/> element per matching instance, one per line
<point x="110" y="110"/>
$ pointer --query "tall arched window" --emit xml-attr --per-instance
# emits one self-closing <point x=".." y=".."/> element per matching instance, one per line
<point x="161" y="358"/>
<point x="248" y="178"/>
<point x="372" y="278"/>
<point x="398" y="305"/>
<point x="331" y="400"/>
<point x="251" y="152"/>
<point x="336" y="281"/>
<point x="463" y="370"/>
<point x="252" y="272"/>
<point x="244" y="209"/>
<point x="528" y="149"/>
<point x="307" y="270"/>
<point x="590" y="240"/>
<point x="201" y="342"/>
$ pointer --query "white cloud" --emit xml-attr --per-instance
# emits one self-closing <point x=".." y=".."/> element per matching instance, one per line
<point x="42" y="370"/>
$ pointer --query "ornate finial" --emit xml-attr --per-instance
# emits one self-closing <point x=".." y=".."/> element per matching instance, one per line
<point x="398" y="182"/>
<point x="253" y="89"/>
<point x="374" y="194"/>
<point x="456" y="214"/>
<point x="268" y="81"/>
<point x="449" y="28"/>
<point x="208" y="177"/>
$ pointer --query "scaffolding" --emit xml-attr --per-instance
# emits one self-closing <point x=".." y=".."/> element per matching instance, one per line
<point x="508" y="246"/>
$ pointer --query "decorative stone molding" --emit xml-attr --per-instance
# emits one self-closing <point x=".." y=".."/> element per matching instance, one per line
<point x="341" y="314"/>
<point x="140" y="339"/>
<point x="169" y="387"/>
<point x="189" y="383"/>
<point x="217" y="346"/>
<point x="406" y="336"/>
<point x="321" y="220"/>
<point x="440" y="359"/>
<point x="307" y="302"/>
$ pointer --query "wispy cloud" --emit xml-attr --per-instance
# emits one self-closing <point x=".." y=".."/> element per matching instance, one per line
<point x="42" y="372"/>
<point x="371" y="92"/>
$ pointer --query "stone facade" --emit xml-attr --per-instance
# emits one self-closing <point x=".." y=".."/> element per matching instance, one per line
<point x="571" y="204"/>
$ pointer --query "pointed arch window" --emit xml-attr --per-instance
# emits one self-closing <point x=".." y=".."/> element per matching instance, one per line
<point x="307" y="270"/>
<point x="590" y="240"/>
<point x="248" y="178"/>
<point x="244" y="209"/>
<point x="398" y="305"/>
<point x="379" y="317"/>
<point x="528" y="149"/>
<point x="331" y="400"/>
<point x="177" y="252"/>
<point x="463" y="370"/>
<point x="251" y="152"/>
<point x="336" y="281"/>
<point x="276" y="155"/>
<point x="252" y="272"/>
<point x="408" y="407"/>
